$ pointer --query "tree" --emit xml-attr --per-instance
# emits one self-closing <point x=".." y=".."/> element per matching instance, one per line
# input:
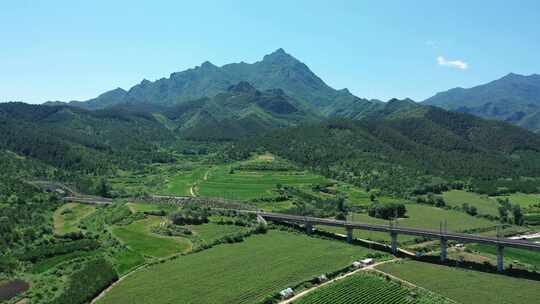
<point x="439" y="202"/>
<point x="503" y="214"/>
<point x="518" y="215"/>
<point x="103" y="189"/>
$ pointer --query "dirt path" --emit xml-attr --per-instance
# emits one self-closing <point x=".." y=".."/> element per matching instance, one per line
<point x="367" y="268"/>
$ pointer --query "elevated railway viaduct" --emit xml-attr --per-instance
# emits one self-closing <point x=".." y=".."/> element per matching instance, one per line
<point x="394" y="231"/>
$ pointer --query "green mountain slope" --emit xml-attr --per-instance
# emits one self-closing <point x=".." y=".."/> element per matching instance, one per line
<point x="240" y="111"/>
<point x="512" y="98"/>
<point x="80" y="140"/>
<point x="405" y="145"/>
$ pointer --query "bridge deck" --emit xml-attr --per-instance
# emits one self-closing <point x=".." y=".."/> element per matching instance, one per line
<point x="460" y="237"/>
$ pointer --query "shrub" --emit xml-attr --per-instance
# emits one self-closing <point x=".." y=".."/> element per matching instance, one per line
<point x="387" y="211"/>
<point x="85" y="283"/>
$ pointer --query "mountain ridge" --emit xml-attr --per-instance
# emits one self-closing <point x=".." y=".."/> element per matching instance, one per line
<point x="277" y="70"/>
<point x="513" y="98"/>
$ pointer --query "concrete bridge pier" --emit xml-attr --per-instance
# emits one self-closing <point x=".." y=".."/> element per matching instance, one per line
<point x="500" y="258"/>
<point x="444" y="246"/>
<point x="309" y="227"/>
<point x="349" y="234"/>
<point x="393" y="236"/>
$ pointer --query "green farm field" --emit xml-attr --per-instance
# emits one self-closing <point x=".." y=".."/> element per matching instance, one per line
<point x="245" y="185"/>
<point x="211" y="231"/>
<point x="527" y="257"/>
<point x="68" y="216"/>
<point x="483" y="203"/>
<point x="244" y="272"/>
<point x="418" y="216"/>
<point x="466" y="286"/>
<point x="139" y="238"/>
<point x="365" y="288"/>
<point x="523" y="199"/>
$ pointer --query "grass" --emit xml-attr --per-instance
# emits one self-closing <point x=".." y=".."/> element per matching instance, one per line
<point x="419" y="216"/>
<point x="67" y="217"/>
<point x="523" y="199"/>
<point x="466" y="286"/>
<point x="528" y="257"/>
<point x="138" y="237"/>
<point x="126" y="260"/>
<point x="181" y="183"/>
<point x="483" y="203"/>
<point x="365" y="288"/>
<point x="211" y="231"/>
<point x="239" y="273"/>
<point x="145" y="207"/>
<point x="245" y="185"/>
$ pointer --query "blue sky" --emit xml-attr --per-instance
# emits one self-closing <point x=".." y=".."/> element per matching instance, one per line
<point x="65" y="50"/>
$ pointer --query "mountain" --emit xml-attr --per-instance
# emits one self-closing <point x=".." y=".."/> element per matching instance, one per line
<point x="240" y="111"/>
<point x="277" y="70"/>
<point x="513" y="98"/>
<point x="405" y="146"/>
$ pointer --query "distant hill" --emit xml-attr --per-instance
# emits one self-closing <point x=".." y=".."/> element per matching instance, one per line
<point x="277" y="70"/>
<point x="73" y="139"/>
<point x="513" y="98"/>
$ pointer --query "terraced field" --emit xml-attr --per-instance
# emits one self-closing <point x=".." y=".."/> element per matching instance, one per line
<point x="239" y="273"/>
<point x="418" y="216"/>
<point x="466" y="286"/>
<point x="67" y="217"/>
<point x="139" y="238"/>
<point x="365" y="288"/>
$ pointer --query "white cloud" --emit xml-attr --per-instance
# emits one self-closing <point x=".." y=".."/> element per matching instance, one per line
<point x="458" y="64"/>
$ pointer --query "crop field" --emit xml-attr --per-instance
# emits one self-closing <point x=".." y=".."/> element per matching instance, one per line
<point x="239" y="273"/>
<point x="483" y="203"/>
<point x="244" y="185"/>
<point x="528" y="257"/>
<point x="182" y="183"/>
<point x="139" y="238"/>
<point x="68" y="216"/>
<point x="418" y="216"/>
<point x="126" y="260"/>
<point x="212" y="231"/>
<point x="523" y="199"/>
<point x="365" y="288"/>
<point x="466" y="286"/>
<point x="144" y="207"/>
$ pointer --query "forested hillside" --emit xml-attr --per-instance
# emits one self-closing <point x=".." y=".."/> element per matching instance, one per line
<point x="60" y="142"/>
<point x="404" y="146"/>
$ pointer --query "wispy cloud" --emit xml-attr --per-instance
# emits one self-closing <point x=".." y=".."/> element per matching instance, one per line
<point x="458" y="64"/>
